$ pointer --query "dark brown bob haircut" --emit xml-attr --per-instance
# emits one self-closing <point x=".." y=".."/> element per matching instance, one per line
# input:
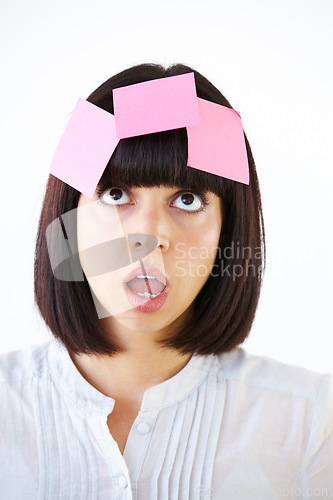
<point x="225" y="307"/>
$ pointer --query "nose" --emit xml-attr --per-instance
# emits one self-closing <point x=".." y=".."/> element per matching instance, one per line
<point x="141" y="245"/>
<point x="150" y="222"/>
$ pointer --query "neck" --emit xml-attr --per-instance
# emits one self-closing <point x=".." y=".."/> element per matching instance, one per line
<point x="142" y="364"/>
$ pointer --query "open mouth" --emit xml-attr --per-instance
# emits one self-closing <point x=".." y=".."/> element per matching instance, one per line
<point x="146" y="289"/>
<point x="146" y="286"/>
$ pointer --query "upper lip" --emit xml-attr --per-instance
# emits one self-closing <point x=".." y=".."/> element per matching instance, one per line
<point x="147" y="270"/>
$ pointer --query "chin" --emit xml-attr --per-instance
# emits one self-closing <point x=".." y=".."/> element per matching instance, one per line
<point x="139" y="323"/>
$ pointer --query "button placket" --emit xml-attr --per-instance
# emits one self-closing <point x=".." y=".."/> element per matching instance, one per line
<point x="117" y="471"/>
<point x="138" y="442"/>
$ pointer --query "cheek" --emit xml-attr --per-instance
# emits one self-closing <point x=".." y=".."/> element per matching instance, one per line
<point x="99" y="236"/>
<point x="205" y="237"/>
<point x="196" y="251"/>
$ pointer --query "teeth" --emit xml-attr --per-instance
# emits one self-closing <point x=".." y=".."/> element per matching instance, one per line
<point x="143" y="276"/>
<point x="147" y="295"/>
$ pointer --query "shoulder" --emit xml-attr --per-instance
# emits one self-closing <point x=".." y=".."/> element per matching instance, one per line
<point x="24" y="364"/>
<point x="301" y="400"/>
<point x="269" y="375"/>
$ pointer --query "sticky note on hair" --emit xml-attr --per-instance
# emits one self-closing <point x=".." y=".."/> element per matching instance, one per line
<point x="85" y="147"/>
<point x="156" y="105"/>
<point x="217" y="145"/>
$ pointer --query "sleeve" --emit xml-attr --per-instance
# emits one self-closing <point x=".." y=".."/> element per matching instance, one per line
<point x="317" y="474"/>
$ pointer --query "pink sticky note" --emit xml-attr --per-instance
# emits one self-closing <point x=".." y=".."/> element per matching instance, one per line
<point x="217" y="144"/>
<point x="85" y="147"/>
<point x="156" y="105"/>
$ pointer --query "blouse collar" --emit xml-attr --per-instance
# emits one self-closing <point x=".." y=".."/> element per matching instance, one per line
<point x="76" y="388"/>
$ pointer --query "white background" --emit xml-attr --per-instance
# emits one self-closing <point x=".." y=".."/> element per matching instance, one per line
<point x="271" y="59"/>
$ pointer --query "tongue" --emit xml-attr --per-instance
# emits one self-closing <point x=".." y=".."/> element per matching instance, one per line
<point x="142" y="285"/>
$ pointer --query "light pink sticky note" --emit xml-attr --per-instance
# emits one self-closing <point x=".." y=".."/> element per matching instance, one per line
<point x="85" y="147"/>
<point x="216" y="145"/>
<point x="156" y="105"/>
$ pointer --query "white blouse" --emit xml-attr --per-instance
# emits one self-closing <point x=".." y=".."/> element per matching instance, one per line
<point x="234" y="426"/>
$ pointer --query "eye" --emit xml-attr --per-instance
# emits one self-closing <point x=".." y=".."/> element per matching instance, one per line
<point x="114" y="196"/>
<point x="189" y="202"/>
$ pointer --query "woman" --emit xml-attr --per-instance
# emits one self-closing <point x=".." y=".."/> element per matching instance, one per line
<point x="150" y="284"/>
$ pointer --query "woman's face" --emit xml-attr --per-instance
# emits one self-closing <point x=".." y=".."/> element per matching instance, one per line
<point x="149" y="294"/>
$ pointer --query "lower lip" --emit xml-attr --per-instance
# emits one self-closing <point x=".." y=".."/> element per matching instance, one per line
<point x="144" y="305"/>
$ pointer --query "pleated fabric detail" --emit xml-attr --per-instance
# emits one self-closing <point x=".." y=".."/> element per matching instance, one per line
<point x="69" y="462"/>
<point x="180" y="466"/>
